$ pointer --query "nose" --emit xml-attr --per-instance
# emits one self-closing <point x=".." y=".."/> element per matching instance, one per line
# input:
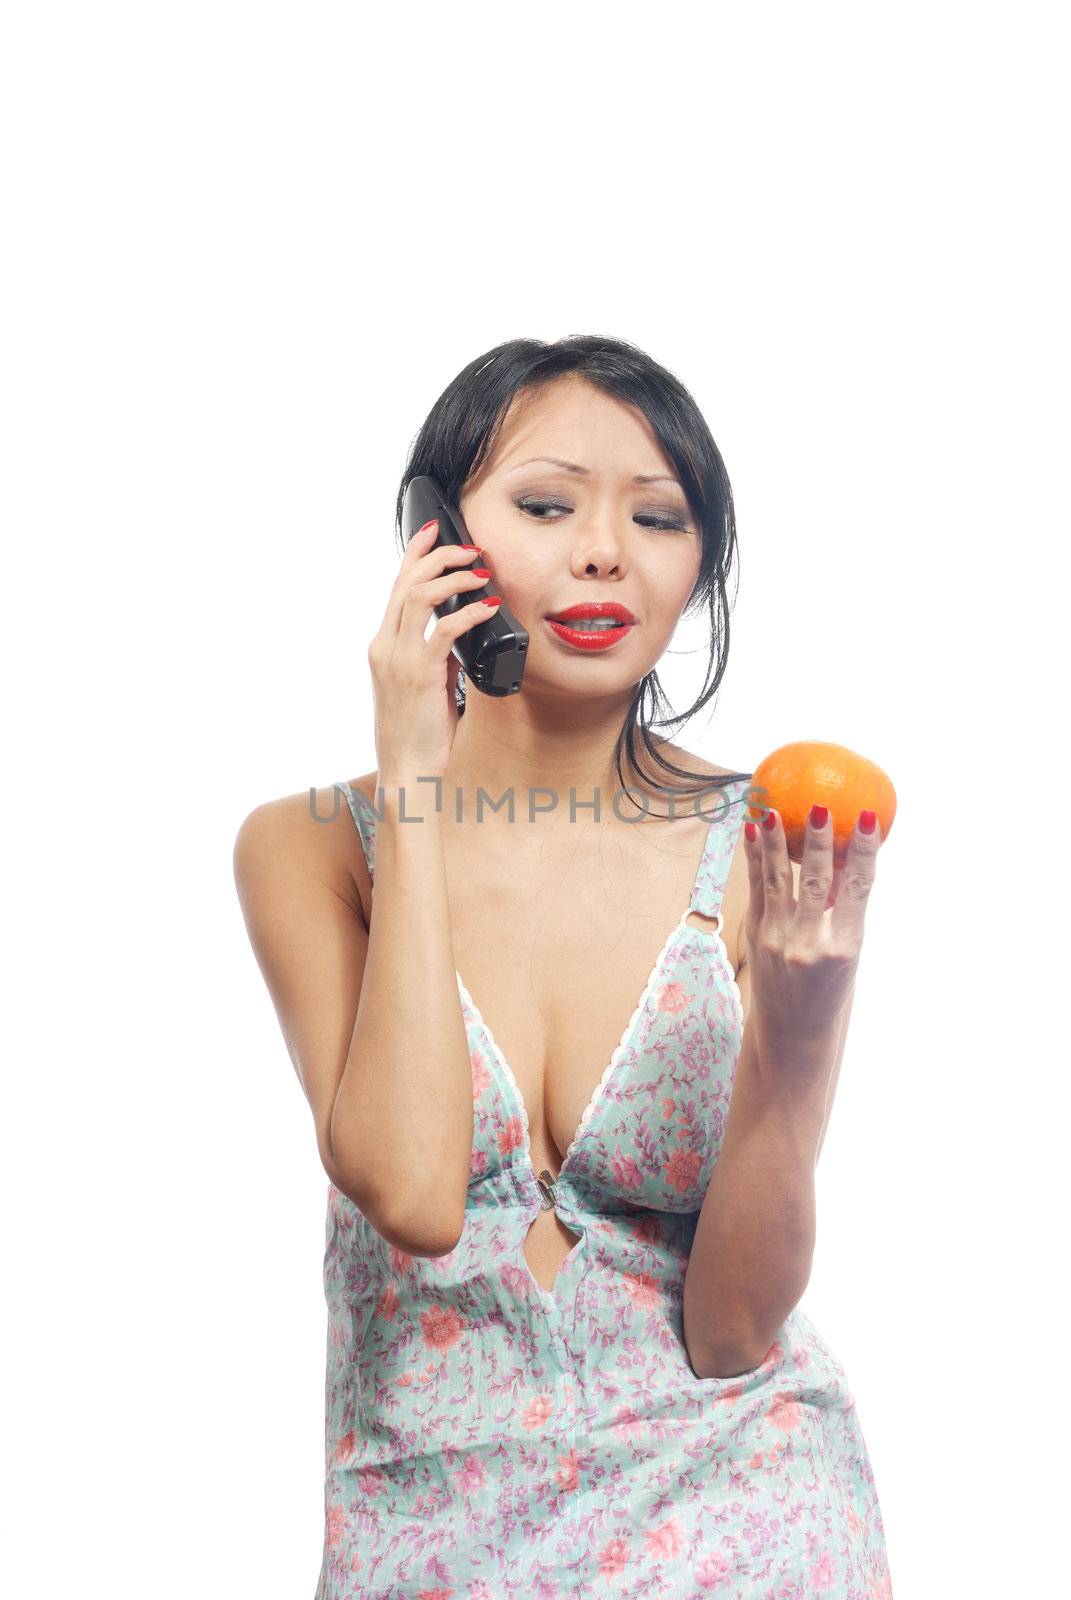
<point x="599" y="553"/>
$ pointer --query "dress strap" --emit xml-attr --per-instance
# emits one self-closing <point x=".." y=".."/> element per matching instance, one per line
<point x="709" y="886"/>
<point x="363" y="814"/>
<point x="710" y="880"/>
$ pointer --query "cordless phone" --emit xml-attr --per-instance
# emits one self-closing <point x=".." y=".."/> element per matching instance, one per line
<point x="492" y="653"/>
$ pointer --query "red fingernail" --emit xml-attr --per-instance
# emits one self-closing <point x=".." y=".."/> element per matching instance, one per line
<point x="480" y="572"/>
<point x="769" y="820"/>
<point x="818" y="816"/>
<point x="751" y="831"/>
<point x="867" y="819"/>
<point x="490" y="599"/>
<point x="468" y="547"/>
<point x="432" y="521"/>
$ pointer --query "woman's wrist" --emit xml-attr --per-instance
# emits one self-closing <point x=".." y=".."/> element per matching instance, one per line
<point x="407" y="794"/>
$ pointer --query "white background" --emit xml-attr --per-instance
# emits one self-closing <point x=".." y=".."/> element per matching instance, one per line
<point x="246" y="249"/>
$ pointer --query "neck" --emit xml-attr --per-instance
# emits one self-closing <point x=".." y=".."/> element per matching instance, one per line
<point x="525" y="745"/>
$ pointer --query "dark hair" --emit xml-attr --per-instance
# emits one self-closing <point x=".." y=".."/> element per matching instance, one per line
<point x="460" y="433"/>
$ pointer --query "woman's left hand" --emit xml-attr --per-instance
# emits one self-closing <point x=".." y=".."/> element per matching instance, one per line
<point x="803" y="963"/>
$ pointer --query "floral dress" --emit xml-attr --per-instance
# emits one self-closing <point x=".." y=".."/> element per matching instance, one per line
<point x="489" y="1439"/>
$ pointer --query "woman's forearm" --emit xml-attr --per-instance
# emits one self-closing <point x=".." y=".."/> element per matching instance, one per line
<point x="401" y="1130"/>
<point x="754" y="1242"/>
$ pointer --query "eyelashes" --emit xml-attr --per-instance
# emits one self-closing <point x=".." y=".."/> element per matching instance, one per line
<point x="533" y="507"/>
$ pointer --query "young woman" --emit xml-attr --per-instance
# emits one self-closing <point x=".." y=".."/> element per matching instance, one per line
<point x="564" y="1261"/>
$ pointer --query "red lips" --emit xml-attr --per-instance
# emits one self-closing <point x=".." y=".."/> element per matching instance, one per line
<point x="593" y="608"/>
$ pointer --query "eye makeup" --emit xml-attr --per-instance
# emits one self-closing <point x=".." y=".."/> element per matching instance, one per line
<point x="667" y="519"/>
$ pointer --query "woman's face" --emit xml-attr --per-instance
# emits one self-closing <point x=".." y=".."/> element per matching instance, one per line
<point x="555" y="538"/>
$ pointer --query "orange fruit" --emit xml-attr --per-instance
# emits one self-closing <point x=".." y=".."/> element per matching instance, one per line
<point x="812" y="772"/>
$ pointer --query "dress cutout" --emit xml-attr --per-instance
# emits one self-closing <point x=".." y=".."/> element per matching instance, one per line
<point x="489" y="1439"/>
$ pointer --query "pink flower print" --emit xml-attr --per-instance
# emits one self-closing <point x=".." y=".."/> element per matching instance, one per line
<point x="345" y="1445"/>
<point x="822" y="1574"/>
<point x="713" y="1570"/>
<point x="389" y="1301"/>
<point x="672" y="998"/>
<point x="853" y="1521"/>
<point x="626" y="1171"/>
<point x="784" y="1412"/>
<point x="356" y="1562"/>
<point x="775" y="1354"/>
<point x="510" y="1135"/>
<point x="343" y="1218"/>
<point x="371" y="1482"/>
<point x="568" y="1472"/>
<point x="628" y="1423"/>
<point x="756" y="1460"/>
<point x="800" y="1356"/>
<point x="665" y="1540"/>
<point x="642" y="1289"/>
<point x="669" y="1106"/>
<point x="403" y="1380"/>
<point x="733" y="1392"/>
<point x="517" y="1281"/>
<point x="881" y="1587"/>
<point x="479" y="1589"/>
<point x="481" y="1072"/>
<point x="537" y="1413"/>
<point x="682" y="1168"/>
<point x="441" y="1326"/>
<point x="648" y="1230"/>
<point x="434" y="1594"/>
<point x="336" y="1526"/>
<point x="613" y="1559"/>
<point x="471" y="1476"/>
<point x="400" y="1262"/>
<point x="477" y="1162"/>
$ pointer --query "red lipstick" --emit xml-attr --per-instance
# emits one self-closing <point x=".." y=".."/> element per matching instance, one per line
<point x="607" y="622"/>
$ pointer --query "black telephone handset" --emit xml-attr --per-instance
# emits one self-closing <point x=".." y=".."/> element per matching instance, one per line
<point x="492" y="653"/>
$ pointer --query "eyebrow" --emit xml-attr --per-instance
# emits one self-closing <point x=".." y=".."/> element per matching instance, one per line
<point x="571" y="466"/>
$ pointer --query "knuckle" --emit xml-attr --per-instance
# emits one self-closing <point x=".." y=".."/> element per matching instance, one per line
<point x="815" y="885"/>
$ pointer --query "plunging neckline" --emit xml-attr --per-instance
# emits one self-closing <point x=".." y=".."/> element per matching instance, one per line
<point x="711" y="936"/>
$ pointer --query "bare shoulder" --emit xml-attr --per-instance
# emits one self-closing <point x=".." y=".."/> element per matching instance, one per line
<point x="309" y="832"/>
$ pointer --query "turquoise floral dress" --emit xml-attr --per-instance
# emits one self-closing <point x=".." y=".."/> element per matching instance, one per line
<point x="489" y="1439"/>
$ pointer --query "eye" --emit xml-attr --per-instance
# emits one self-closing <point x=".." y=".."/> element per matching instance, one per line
<point x="534" y="508"/>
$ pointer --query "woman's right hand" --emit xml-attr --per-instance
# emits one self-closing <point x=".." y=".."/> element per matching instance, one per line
<point x="413" y="678"/>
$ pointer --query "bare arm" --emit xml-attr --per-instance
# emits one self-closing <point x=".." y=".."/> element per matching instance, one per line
<point x="753" y="1249"/>
<point x="345" y="998"/>
<point x="404" y="1106"/>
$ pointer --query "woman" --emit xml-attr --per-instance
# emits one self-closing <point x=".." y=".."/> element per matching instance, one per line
<point x="565" y="1354"/>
